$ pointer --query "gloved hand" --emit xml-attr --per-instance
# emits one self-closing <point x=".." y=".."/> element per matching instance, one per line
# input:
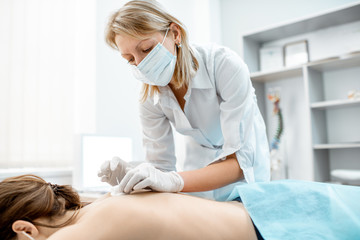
<point x="112" y="169"/>
<point x="146" y="175"/>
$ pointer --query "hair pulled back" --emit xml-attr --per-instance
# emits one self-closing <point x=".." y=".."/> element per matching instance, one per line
<point x="29" y="197"/>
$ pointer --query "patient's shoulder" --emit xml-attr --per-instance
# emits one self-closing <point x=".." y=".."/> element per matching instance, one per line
<point x="101" y="220"/>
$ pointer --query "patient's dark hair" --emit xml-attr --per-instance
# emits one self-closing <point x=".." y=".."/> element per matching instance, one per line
<point x="29" y="197"/>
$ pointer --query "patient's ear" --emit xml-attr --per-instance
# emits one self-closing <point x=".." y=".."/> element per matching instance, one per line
<point x="24" y="226"/>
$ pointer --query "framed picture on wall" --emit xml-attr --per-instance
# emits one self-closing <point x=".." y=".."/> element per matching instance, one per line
<point x="271" y="58"/>
<point x="296" y="53"/>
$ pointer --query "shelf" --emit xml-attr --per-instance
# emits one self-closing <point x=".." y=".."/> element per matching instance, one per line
<point x="346" y="174"/>
<point x="336" y="146"/>
<point x="335" y="104"/>
<point x="276" y="74"/>
<point x="339" y="62"/>
<point x="329" y="64"/>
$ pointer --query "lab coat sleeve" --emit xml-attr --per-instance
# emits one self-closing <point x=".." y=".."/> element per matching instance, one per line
<point x="242" y="125"/>
<point x="158" y="138"/>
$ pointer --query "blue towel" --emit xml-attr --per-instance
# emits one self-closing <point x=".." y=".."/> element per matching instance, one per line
<point x="293" y="209"/>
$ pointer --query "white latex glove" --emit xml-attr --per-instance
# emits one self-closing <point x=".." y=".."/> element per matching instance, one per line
<point x="146" y="175"/>
<point x="112" y="171"/>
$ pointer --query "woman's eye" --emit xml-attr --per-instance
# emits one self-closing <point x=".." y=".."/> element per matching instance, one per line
<point x="147" y="50"/>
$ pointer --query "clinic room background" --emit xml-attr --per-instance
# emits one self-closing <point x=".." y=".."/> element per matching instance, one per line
<point x="68" y="102"/>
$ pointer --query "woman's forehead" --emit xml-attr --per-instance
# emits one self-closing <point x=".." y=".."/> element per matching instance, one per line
<point x="124" y="41"/>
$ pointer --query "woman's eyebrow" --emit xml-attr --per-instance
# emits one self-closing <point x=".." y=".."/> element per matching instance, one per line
<point x="137" y="46"/>
<point x="141" y="42"/>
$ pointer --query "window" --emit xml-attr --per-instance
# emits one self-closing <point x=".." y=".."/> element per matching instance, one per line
<point x="47" y="80"/>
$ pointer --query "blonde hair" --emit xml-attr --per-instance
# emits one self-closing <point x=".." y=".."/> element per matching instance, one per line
<point x="140" y="18"/>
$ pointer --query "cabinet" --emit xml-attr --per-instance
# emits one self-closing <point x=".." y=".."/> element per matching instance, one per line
<point x="321" y="125"/>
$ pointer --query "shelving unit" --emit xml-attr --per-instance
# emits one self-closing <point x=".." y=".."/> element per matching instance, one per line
<point x="321" y="125"/>
<point x="334" y="118"/>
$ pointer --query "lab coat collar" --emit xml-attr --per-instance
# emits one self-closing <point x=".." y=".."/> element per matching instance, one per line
<point x="201" y="79"/>
<point x="166" y="97"/>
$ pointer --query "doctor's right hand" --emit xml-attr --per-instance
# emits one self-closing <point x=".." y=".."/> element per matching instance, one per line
<point x="114" y="170"/>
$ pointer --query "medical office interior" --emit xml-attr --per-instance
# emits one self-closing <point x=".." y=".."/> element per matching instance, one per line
<point x="68" y="101"/>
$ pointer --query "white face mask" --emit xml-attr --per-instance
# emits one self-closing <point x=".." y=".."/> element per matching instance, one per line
<point x="27" y="235"/>
<point x="157" y="68"/>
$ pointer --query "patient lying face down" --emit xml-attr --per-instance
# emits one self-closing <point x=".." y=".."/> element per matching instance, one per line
<point x="31" y="208"/>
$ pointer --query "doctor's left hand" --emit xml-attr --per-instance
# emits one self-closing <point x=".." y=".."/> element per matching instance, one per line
<point x="146" y="175"/>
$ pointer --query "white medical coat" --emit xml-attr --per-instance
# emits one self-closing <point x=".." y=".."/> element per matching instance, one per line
<point x="220" y="116"/>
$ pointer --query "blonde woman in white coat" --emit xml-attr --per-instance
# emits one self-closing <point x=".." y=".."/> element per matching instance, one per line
<point x="203" y="92"/>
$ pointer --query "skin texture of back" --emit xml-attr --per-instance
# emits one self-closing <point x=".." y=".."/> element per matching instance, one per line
<point x="159" y="216"/>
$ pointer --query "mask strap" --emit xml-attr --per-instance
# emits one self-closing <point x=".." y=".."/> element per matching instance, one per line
<point x="167" y="30"/>
<point x="27" y="235"/>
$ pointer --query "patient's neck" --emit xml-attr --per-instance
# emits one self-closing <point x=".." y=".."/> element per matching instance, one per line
<point x="47" y="231"/>
<point x="60" y="220"/>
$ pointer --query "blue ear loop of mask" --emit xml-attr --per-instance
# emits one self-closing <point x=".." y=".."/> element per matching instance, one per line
<point x="167" y="30"/>
<point x="27" y="235"/>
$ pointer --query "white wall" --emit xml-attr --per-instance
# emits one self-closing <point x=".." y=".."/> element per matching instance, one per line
<point x="117" y="92"/>
<point x="201" y="17"/>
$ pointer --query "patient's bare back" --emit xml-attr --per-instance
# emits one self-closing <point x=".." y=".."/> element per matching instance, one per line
<point x="160" y="216"/>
